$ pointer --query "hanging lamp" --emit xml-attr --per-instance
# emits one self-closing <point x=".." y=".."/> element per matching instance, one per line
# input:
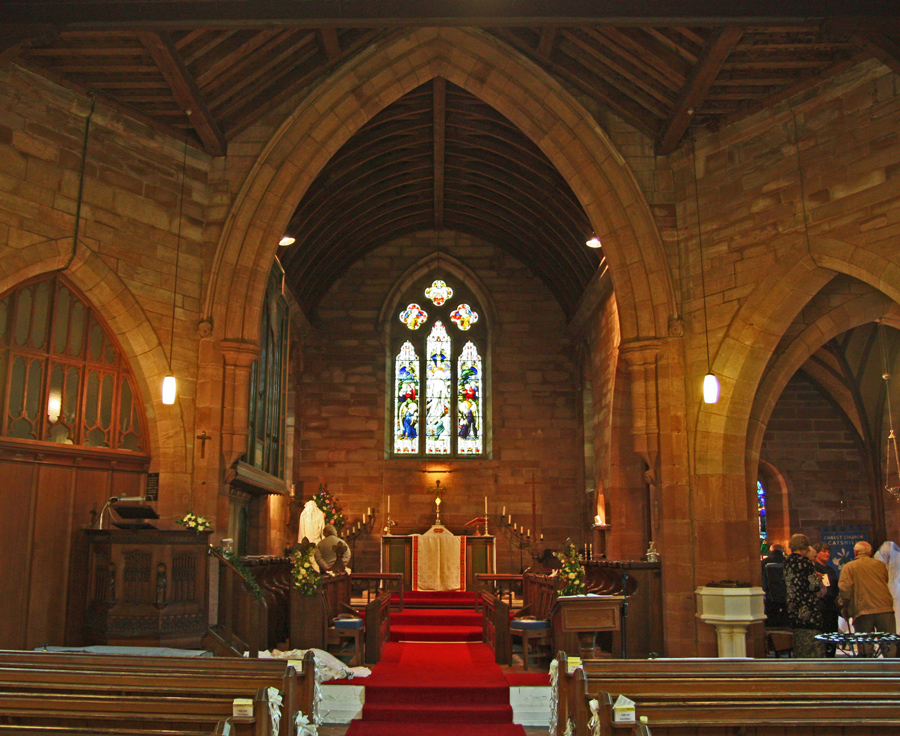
<point x="169" y="386"/>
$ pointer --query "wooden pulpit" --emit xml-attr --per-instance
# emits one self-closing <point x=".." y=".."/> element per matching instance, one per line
<point x="147" y="587"/>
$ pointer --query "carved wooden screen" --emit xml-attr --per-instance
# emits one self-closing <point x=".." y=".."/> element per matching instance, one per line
<point x="64" y="378"/>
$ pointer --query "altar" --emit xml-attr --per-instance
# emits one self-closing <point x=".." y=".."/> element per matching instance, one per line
<point x="438" y="559"/>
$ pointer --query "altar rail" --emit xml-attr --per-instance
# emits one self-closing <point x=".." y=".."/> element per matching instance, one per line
<point x="69" y="691"/>
<point x="763" y="697"/>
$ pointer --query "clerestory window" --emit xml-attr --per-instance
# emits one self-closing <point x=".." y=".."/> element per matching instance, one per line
<point x="439" y="387"/>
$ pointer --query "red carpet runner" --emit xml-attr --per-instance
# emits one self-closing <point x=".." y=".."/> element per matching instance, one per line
<point x="436" y="680"/>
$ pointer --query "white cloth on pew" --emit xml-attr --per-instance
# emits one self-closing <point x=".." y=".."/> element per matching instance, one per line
<point x="312" y="523"/>
<point x="329" y="666"/>
<point x="135" y="651"/>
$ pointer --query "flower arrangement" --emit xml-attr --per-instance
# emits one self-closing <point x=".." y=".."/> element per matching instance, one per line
<point x="572" y="571"/>
<point x="196" y="523"/>
<point x="334" y="515"/>
<point x="304" y="572"/>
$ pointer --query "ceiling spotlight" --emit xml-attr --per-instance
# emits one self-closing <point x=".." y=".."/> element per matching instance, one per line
<point x="593" y="242"/>
<point x="286" y="240"/>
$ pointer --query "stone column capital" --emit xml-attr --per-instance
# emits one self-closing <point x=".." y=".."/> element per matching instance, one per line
<point x="239" y="353"/>
<point x="641" y="352"/>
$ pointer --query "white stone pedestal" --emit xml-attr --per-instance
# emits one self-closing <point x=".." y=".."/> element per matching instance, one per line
<point x="731" y="611"/>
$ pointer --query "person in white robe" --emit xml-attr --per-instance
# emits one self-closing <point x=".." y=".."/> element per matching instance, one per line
<point x="889" y="554"/>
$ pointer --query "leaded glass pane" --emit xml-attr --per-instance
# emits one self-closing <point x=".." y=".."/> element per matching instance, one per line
<point x="40" y="321"/>
<point x="413" y="316"/>
<point x="25" y="397"/>
<point x="54" y="400"/>
<point x="62" y="404"/>
<point x="406" y="401"/>
<point x="438" y="292"/>
<point x="4" y="319"/>
<point x="464" y="317"/>
<point x="76" y="329"/>
<point x="23" y="314"/>
<point x="129" y="433"/>
<point x="95" y="341"/>
<point x="469" y="401"/>
<point x="438" y="420"/>
<point x="61" y="313"/>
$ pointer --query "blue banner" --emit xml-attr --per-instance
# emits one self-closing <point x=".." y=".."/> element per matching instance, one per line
<point x="841" y="540"/>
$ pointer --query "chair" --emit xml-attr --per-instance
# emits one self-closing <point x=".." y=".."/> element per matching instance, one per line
<point x="532" y="623"/>
<point x="343" y="623"/>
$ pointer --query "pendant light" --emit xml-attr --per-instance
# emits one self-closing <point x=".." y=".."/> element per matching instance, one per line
<point x="711" y="388"/>
<point x="169" y="386"/>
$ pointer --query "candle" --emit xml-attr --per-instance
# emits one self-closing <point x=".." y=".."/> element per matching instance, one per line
<point x="504" y="511"/>
<point x="364" y="518"/>
<point x="369" y="511"/>
<point x="485" y="505"/>
<point x="389" y="504"/>
<point x="528" y="534"/>
<point x="542" y="536"/>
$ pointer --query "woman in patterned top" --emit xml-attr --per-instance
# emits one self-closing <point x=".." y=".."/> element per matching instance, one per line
<point x="803" y="611"/>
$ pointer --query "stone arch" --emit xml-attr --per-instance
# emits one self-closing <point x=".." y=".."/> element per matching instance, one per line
<point x="471" y="59"/>
<point x="723" y="450"/>
<point x="127" y="320"/>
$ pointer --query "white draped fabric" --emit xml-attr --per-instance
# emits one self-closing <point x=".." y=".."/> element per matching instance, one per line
<point x="889" y="554"/>
<point x="438" y="560"/>
<point x="312" y="523"/>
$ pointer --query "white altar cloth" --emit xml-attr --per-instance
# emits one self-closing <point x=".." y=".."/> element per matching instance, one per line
<point x="438" y="560"/>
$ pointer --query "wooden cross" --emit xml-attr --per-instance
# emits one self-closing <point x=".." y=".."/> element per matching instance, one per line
<point x="203" y="438"/>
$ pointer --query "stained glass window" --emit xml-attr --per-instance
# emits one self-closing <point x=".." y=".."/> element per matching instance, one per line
<point x="438" y="421"/>
<point x="406" y="405"/>
<point x="761" y="504"/>
<point x="438" y="292"/>
<point x="435" y="380"/>
<point x="469" y="390"/>
<point x="66" y="379"/>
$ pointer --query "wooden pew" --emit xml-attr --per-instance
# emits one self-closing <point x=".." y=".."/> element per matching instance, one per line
<point x="495" y="626"/>
<point x="115" y="713"/>
<point x="378" y="626"/>
<point x="845" y="696"/>
<point x="200" y="677"/>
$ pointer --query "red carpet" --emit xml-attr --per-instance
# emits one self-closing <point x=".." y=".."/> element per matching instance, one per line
<point x="448" y="685"/>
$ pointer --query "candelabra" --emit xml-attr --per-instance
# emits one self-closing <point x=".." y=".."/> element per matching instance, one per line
<point x="521" y="538"/>
<point x="360" y="528"/>
<point x="364" y="526"/>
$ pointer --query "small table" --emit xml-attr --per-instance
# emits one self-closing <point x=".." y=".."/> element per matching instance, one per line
<point x="862" y="644"/>
<point x="578" y="619"/>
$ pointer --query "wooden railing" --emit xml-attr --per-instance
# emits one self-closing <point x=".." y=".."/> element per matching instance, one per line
<point x="242" y="617"/>
<point x="372" y="584"/>
<point x="499" y="585"/>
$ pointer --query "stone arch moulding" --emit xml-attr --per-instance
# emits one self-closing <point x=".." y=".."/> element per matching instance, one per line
<point x="531" y="99"/>
<point x="753" y="334"/>
<point x="127" y="320"/>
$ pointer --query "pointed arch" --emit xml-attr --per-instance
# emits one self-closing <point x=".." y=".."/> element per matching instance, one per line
<point x="126" y="319"/>
<point x="471" y="59"/>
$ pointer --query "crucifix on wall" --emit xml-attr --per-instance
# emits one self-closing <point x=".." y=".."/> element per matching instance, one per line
<point x="437" y="490"/>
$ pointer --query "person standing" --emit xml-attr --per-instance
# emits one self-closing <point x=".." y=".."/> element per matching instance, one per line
<point x="828" y="600"/>
<point x="864" y="588"/>
<point x="803" y="612"/>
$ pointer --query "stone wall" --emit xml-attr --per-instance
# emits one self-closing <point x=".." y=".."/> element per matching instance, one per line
<point x="340" y="413"/>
